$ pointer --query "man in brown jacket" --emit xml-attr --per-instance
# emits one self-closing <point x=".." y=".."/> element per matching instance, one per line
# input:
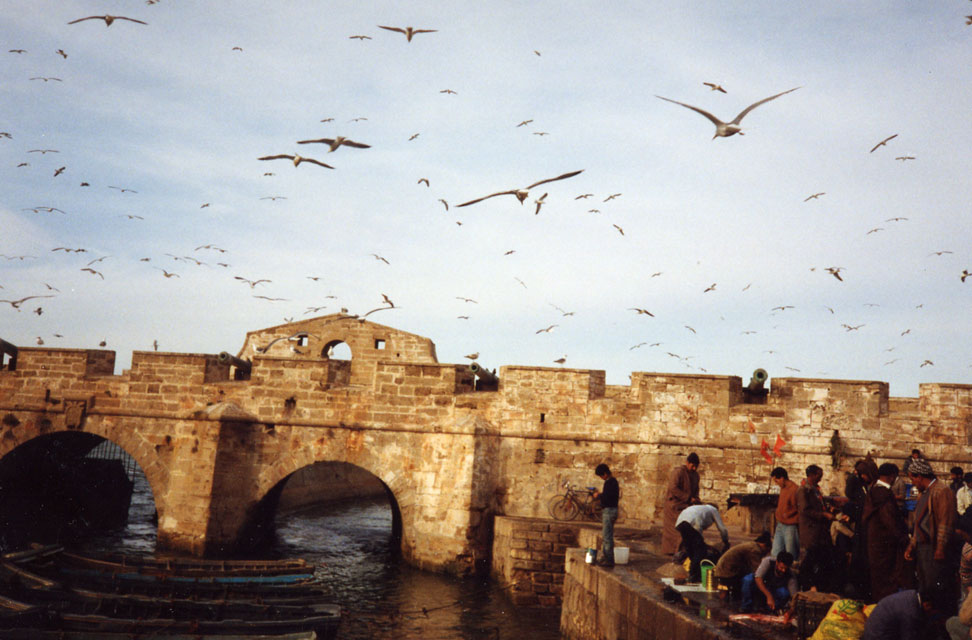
<point x="933" y="532"/>
<point x="786" y="537"/>
<point x="683" y="490"/>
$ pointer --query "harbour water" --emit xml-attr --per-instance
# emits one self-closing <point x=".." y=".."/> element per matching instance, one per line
<point x="380" y="596"/>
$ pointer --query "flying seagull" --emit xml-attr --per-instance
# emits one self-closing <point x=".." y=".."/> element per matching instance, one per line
<point x="883" y="142"/>
<point x="296" y="159"/>
<point x="521" y="194"/>
<point x="714" y="86"/>
<point x="108" y="19"/>
<point x="408" y="31"/>
<point x="726" y="129"/>
<point x="336" y="142"/>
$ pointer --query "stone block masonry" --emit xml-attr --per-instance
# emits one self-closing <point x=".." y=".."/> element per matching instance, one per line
<point x="215" y="442"/>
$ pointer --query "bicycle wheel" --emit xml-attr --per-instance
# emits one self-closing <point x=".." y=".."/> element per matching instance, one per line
<point x="563" y="508"/>
<point x="594" y="510"/>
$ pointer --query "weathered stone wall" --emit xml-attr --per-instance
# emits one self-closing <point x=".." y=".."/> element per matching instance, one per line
<point x="528" y="558"/>
<point x="213" y="447"/>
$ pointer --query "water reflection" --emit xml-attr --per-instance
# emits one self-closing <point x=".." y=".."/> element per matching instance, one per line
<point x="381" y="596"/>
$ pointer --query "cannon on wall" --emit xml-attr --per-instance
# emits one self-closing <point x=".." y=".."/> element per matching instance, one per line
<point x="757" y="381"/>
<point x="755" y="392"/>
<point x="243" y="367"/>
<point x="487" y="380"/>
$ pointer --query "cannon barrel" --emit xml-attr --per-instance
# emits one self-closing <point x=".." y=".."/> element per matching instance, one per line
<point x="483" y="374"/>
<point x="757" y="381"/>
<point x="225" y="357"/>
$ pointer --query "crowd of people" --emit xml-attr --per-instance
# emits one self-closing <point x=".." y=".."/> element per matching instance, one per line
<point x="898" y="537"/>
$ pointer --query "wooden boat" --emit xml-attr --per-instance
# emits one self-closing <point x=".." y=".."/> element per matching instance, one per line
<point x="266" y="572"/>
<point x="324" y="625"/>
<point x="29" y="587"/>
<point x="51" y="634"/>
<point x="291" y="569"/>
<point x="16" y="614"/>
<point x="120" y="584"/>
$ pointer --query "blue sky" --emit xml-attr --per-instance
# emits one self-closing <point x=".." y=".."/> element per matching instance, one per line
<point x="171" y="111"/>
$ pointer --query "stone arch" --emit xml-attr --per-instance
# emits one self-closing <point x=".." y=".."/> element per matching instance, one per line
<point x="37" y="443"/>
<point x="145" y="458"/>
<point x="399" y="491"/>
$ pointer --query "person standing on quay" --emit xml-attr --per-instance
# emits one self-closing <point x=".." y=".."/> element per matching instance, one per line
<point x="885" y="534"/>
<point x="787" y="534"/>
<point x="683" y="490"/>
<point x="816" y="550"/>
<point x="934" y="528"/>
<point x="608" y="495"/>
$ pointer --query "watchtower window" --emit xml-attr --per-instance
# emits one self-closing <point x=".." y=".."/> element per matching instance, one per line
<point x="302" y="340"/>
<point x="379" y="343"/>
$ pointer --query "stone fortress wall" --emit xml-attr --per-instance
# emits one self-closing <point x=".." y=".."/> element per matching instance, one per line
<point x="213" y="443"/>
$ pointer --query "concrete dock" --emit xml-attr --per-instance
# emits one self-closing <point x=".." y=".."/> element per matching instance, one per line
<point x="630" y="602"/>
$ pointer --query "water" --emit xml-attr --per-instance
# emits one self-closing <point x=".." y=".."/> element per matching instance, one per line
<point x="380" y="595"/>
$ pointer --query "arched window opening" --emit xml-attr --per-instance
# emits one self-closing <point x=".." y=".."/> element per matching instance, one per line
<point x="336" y="350"/>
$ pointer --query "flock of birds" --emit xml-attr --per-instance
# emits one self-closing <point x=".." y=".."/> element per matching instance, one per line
<point x="723" y="129"/>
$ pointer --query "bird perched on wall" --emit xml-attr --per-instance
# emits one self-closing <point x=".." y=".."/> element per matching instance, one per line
<point x="297" y="159"/>
<point x="108" y="19"/>
<point x="335" y="142"/>
<point x="561" y="361"/>
<point x="408" y="31"/>
<point x="726" y="129"/>
<point x="524" y="193"/>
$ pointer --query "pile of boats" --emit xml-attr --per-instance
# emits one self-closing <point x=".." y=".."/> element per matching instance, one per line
<point x="48" y="592"/>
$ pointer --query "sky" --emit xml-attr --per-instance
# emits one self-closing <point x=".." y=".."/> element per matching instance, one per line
<point x="159" y="127"/>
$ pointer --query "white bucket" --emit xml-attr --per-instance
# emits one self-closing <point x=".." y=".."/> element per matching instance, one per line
<point x="621" y="555"/>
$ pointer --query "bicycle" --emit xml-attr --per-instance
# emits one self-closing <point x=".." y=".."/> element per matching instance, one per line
<point x="575" y="502"/>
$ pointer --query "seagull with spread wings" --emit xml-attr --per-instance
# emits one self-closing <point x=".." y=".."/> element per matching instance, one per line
<point x="297" y="159"/>
<point x="408" y="31"/>
<point x="335" y="142"/>
<point x="524" y="193"/>
<point x="16" y="303"/>
<point x="883" y="142"/>
<point x="726" y="129"/>
<point x="108" y="19"/>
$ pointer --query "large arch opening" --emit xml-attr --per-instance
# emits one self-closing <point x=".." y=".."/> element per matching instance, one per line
<point x="73" y="488"/>
<point x="333" y="497"/>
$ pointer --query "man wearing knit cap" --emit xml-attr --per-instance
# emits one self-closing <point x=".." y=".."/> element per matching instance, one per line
<point x="933" y="530"/>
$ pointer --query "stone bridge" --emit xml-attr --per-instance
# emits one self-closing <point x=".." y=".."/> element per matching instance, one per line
<point x="217" y="442"/>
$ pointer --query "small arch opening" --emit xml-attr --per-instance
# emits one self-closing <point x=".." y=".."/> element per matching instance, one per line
<point x="336" y="350"/>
